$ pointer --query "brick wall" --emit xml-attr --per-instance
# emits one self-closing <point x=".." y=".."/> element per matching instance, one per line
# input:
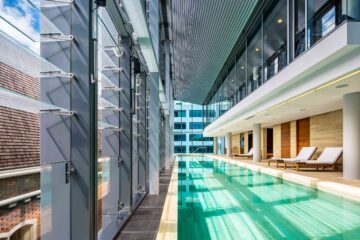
<point x="11" y="187"/>
<point x="9" y="218"/>
<point x="19" y="131"/>
<point x="19" y="147"/>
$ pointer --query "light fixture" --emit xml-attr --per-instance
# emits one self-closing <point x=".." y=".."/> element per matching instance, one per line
<point x="342" y="85"/>
<point x="279" y="21"/>
<point x="242" y="67"/>
<point x="257" y="49"/>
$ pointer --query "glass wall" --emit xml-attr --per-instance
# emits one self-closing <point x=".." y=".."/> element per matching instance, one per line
<point x="275" y="40"/>
<point x="241" y="77"/>
<point x="254" y="61"/>
<point x="272" y="42"/>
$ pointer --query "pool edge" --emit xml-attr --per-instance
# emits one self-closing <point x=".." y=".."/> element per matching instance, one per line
<point x="339" y="189"/>
<point x="169" y="217"/>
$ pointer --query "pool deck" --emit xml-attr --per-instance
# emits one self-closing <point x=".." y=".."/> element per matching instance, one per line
<point x="327" y="181"/>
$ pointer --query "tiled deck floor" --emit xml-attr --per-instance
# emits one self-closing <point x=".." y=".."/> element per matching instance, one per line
<point x="144" y="223"/>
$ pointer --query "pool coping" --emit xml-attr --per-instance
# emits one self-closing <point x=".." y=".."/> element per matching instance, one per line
<point x="339" y="189"/>
<point x="169" y="217"/>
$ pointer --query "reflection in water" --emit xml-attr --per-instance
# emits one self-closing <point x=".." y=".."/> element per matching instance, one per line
<point x="218" y="200"/>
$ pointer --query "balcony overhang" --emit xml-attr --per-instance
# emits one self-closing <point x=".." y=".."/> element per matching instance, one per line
<point x="312" y="84"/>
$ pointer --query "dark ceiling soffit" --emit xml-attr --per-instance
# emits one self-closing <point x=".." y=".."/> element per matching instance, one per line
<point x="239" y="45"/>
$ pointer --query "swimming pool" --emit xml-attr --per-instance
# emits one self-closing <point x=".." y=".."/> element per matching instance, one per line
<point x="218" y="200"/>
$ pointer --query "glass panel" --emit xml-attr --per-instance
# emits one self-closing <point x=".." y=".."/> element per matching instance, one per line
<point x="323" y="17"/>
<point x="275" y="40"/>
<point x="232" y="87"/>
<point x="241" y="77"/>
<point x="352" y="9"/>
<point x="299" y="27"/>
<point x="24" y="103"/>
<point x="55" y="202"/>
<point x="108" y="189"/>
<point x="254" y="62"/>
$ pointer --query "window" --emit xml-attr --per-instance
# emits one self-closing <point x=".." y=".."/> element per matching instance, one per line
<point x="328" y="22"/>
<point x="179" y="125"/>
<point x="299" y="27"/>
<point x="195" y="113"/>
<point x="241" y="77"/>
<point x="201" y="149"/>
<point x="211" y="113"/>
<point x="196" y="125"/>
<point x="179" y="113"/>
<point x="275" y="40"/>
<point x="254" y="61"/>
<point x="179" y="149"/>
<point x="323" y="16"/>
<point x="179" y="137"/>
<point x="199" y="137"/>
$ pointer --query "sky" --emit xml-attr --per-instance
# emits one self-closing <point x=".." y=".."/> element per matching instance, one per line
<point x="26" y="18"/>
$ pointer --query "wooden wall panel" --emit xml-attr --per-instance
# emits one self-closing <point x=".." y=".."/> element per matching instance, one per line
<point x="326" y="130"/>
<point x="302" y="133"/>
<point x="277" y="140"/>
<point x="285" y="140"/>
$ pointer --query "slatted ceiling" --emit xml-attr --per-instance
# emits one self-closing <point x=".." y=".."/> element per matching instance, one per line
<point x="204" y="34"/>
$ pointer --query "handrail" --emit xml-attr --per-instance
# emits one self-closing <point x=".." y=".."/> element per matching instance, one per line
<point x="197" y="149"/>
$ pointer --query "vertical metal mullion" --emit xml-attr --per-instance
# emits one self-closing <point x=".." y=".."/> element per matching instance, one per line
<point x="290" y="31"/>
<point x="262" y="80"/>
<point x="306" y="25"/>
<point x="93" y="126"/>
<point x="246" y="68"/>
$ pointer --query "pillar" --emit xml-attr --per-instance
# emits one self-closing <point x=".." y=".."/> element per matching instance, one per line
<point x="154" y="130"/>
<point x="228" y="145"/>
<point x="216" y="145"/>
<point x="351" y="135"/>
<point x="257" y="142"/>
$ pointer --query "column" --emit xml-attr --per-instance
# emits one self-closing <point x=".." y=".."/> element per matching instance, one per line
<point x="154" y="130"/>
<point x="215" y="139"/>
<point x="257" y="142"/>
<point x="351" y="135"/>
<point x="228" y="145"/>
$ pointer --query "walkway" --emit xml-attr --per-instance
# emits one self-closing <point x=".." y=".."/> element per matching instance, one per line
<point x="144" y="223"/>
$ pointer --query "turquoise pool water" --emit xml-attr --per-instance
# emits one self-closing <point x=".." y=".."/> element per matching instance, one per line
<point x="223" y="201"/>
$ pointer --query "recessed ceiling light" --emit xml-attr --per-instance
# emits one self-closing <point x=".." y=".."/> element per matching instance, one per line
<point x="342" y="85"/>
<point x="242" y="67"/>
<point x="279" y="20"/>
<point x="257" y="49"/>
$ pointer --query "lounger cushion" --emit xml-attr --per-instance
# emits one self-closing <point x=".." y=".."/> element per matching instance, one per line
<point x="306" y="153"/>
<point x="328" y="156"/>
